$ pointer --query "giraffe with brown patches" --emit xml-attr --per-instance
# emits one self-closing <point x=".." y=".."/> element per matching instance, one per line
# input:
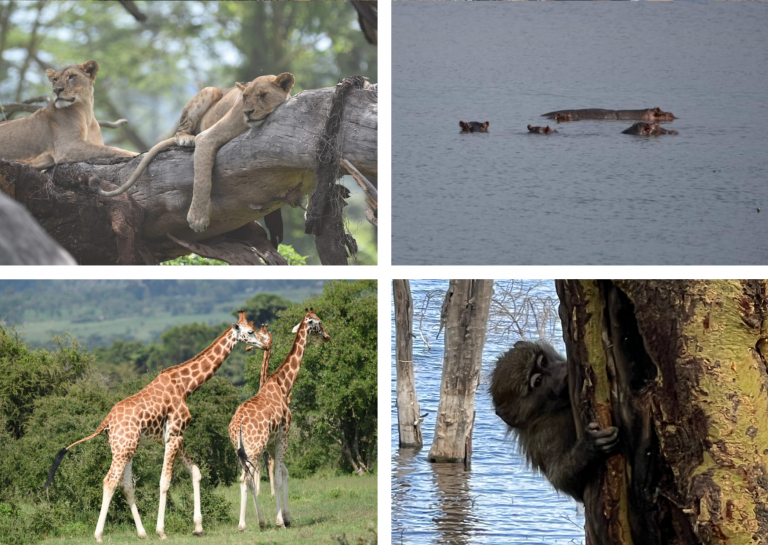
<point x="267" y="336"/>
<point x="262" y="423"/>
<point x="159" y="413"/>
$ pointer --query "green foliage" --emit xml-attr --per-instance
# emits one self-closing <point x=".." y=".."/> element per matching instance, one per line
<point x="263" y="308"/>
<point x="335" y="395"/>
<point x="26" y="375"/>
<point x="193" y="259"/>
<point x="291" y="255"/>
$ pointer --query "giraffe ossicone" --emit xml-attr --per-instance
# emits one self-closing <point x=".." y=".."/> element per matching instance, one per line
<point x="156" y="414"/>
<point x="263" y="422"/>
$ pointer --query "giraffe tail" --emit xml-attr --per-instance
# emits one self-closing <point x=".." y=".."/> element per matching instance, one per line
<point x="60" y="455"/>
<point x="241" y="455"/>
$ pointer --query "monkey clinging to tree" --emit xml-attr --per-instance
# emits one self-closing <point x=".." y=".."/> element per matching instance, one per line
<point x="529" y="389"/>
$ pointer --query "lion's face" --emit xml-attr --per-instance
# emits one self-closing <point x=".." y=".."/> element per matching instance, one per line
<point x="263" y="95"/>
<point x="73" y="83"/>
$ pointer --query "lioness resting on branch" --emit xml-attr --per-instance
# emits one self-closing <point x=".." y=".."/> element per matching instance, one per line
<point x="210" y="120"/>
<point x="65" y="130"/>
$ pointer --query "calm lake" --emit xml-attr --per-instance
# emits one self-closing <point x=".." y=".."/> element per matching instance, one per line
<point x="499" y="500"/>
<point x="588" y="195"/>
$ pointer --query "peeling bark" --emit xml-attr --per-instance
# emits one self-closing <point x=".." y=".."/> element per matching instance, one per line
<point x="678" y="367"/>
<point x="408" y="411"/>
<point x="465" y="310"/>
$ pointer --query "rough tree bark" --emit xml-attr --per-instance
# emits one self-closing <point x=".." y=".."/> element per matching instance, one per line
<point x="465" y="317"/>
<point x="408" y="411"/>
<point x="257" y="172"/>
<point x="680" y="367"/>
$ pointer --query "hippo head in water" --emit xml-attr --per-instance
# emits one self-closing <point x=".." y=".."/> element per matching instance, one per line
<point x="647" y="129"/>
<point x="658" y="115"/>
<point x="474" y="126"/>
<point x="541" y="130"/>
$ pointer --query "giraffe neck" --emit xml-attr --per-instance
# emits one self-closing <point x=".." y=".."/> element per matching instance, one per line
<point x="197" y="371"/>
<point x="286" y="374"/>
<point x="265" y="367"/>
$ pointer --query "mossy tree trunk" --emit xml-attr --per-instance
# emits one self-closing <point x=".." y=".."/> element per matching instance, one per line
<point x="679" y="366"/>
<point x="408" y="412"/>
<point x="465" y="317"/>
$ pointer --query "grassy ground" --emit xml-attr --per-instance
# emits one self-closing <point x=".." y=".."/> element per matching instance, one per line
<point x="320" y="509"/>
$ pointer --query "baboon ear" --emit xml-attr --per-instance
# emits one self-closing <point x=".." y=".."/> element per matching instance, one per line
<point x="285" y="81"/>
<point x="50" y="73"/>
<point x="240" y="86"/>
<point x="91" y="68"/>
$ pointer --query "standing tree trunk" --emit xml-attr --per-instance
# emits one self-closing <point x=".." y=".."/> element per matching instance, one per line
<point x="679" y="367"/>
<point x="408" y="412"/>
<point x="465" y="316"/>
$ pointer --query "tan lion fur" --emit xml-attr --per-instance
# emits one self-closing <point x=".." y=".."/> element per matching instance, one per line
<point x="211" y="119"/>
<point x="65" y="130"/>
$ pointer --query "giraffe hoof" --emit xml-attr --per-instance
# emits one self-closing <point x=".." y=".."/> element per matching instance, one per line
<point x="198" y="534"/>
<point x="287" y="523"/>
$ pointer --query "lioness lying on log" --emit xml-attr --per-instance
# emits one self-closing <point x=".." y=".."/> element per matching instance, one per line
<point x="65" y="130"/>
<point x="210" y="120"/>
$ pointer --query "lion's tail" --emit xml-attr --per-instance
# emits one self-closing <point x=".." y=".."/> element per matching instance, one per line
<point x="62" y="452"/>
<point x="95" y="183"/>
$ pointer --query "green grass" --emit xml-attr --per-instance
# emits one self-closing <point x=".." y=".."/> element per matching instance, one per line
<point x="320" y="509"/>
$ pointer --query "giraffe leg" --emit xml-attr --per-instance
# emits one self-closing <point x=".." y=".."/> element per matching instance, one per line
<point x="171" y="448"/>
<point x="255" y="476"/>
<point x="110" y="483"/>
<point x="127" y="485"/>
<point x="278" y="453"/>
<point x="243" y="500"/>
<point x="194" y="472"/>
<point x="271" y="470"/>
<point x="282" y="448"/>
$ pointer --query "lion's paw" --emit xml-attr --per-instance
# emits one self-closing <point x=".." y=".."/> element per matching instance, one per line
<point x="198" y="222"/>
<point x="184" y="139"/>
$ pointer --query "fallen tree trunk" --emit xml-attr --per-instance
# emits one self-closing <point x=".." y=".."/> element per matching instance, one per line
<point x="256" y="173"/>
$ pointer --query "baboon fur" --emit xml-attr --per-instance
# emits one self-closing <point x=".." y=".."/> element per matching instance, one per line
<point x="529" y="389"/>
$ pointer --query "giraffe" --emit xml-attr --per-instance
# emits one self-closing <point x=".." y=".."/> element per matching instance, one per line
<point x="159" y="413"/>
<point x="262" y="423"/>
<point x="270" y="462"/>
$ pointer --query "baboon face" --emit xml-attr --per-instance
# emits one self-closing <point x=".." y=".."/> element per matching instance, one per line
<point x="529" y="380"/>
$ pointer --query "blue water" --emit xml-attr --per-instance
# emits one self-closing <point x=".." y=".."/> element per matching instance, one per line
<point x="499" y="500"/>
<point x="588" y="195"/>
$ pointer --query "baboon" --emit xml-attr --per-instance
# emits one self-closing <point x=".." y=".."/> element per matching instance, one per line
<point x="529" y="389"/>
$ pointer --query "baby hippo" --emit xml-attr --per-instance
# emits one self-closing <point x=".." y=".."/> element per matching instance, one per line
<point x="541" y="130"/>
<point x="647" y="129"/>
<point x="474" y="126"/>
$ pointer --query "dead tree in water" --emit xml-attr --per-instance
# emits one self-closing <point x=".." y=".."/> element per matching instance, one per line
<point x="465" y="317"/>
<point x="408" y="412"/>
<point x="680" y="368"/>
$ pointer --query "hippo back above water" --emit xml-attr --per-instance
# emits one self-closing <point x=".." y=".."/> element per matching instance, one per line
<point x="474" y="126"/>
<point x="647" y="129"/>
<point x="648" y="114"/>
<point x="541" y="130"/>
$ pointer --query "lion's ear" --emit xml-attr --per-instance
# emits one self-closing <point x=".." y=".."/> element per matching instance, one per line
<point x="50" y="73"/>
<point x="240" y="86"/>
<point x="285" y="81"/>
<point x="91" y="68"/>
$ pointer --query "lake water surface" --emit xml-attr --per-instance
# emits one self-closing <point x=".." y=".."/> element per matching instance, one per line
<point x="499" y="500"/>
<point x="588" y="195"/>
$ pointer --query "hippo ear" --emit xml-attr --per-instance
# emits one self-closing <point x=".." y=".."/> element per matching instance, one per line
<point x="487" y="124"/>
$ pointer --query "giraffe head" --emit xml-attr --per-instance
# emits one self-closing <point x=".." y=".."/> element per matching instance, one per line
<point x="264" y="334"/>
<point x="314" y="324"/>
<point x="244" y="332"/>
